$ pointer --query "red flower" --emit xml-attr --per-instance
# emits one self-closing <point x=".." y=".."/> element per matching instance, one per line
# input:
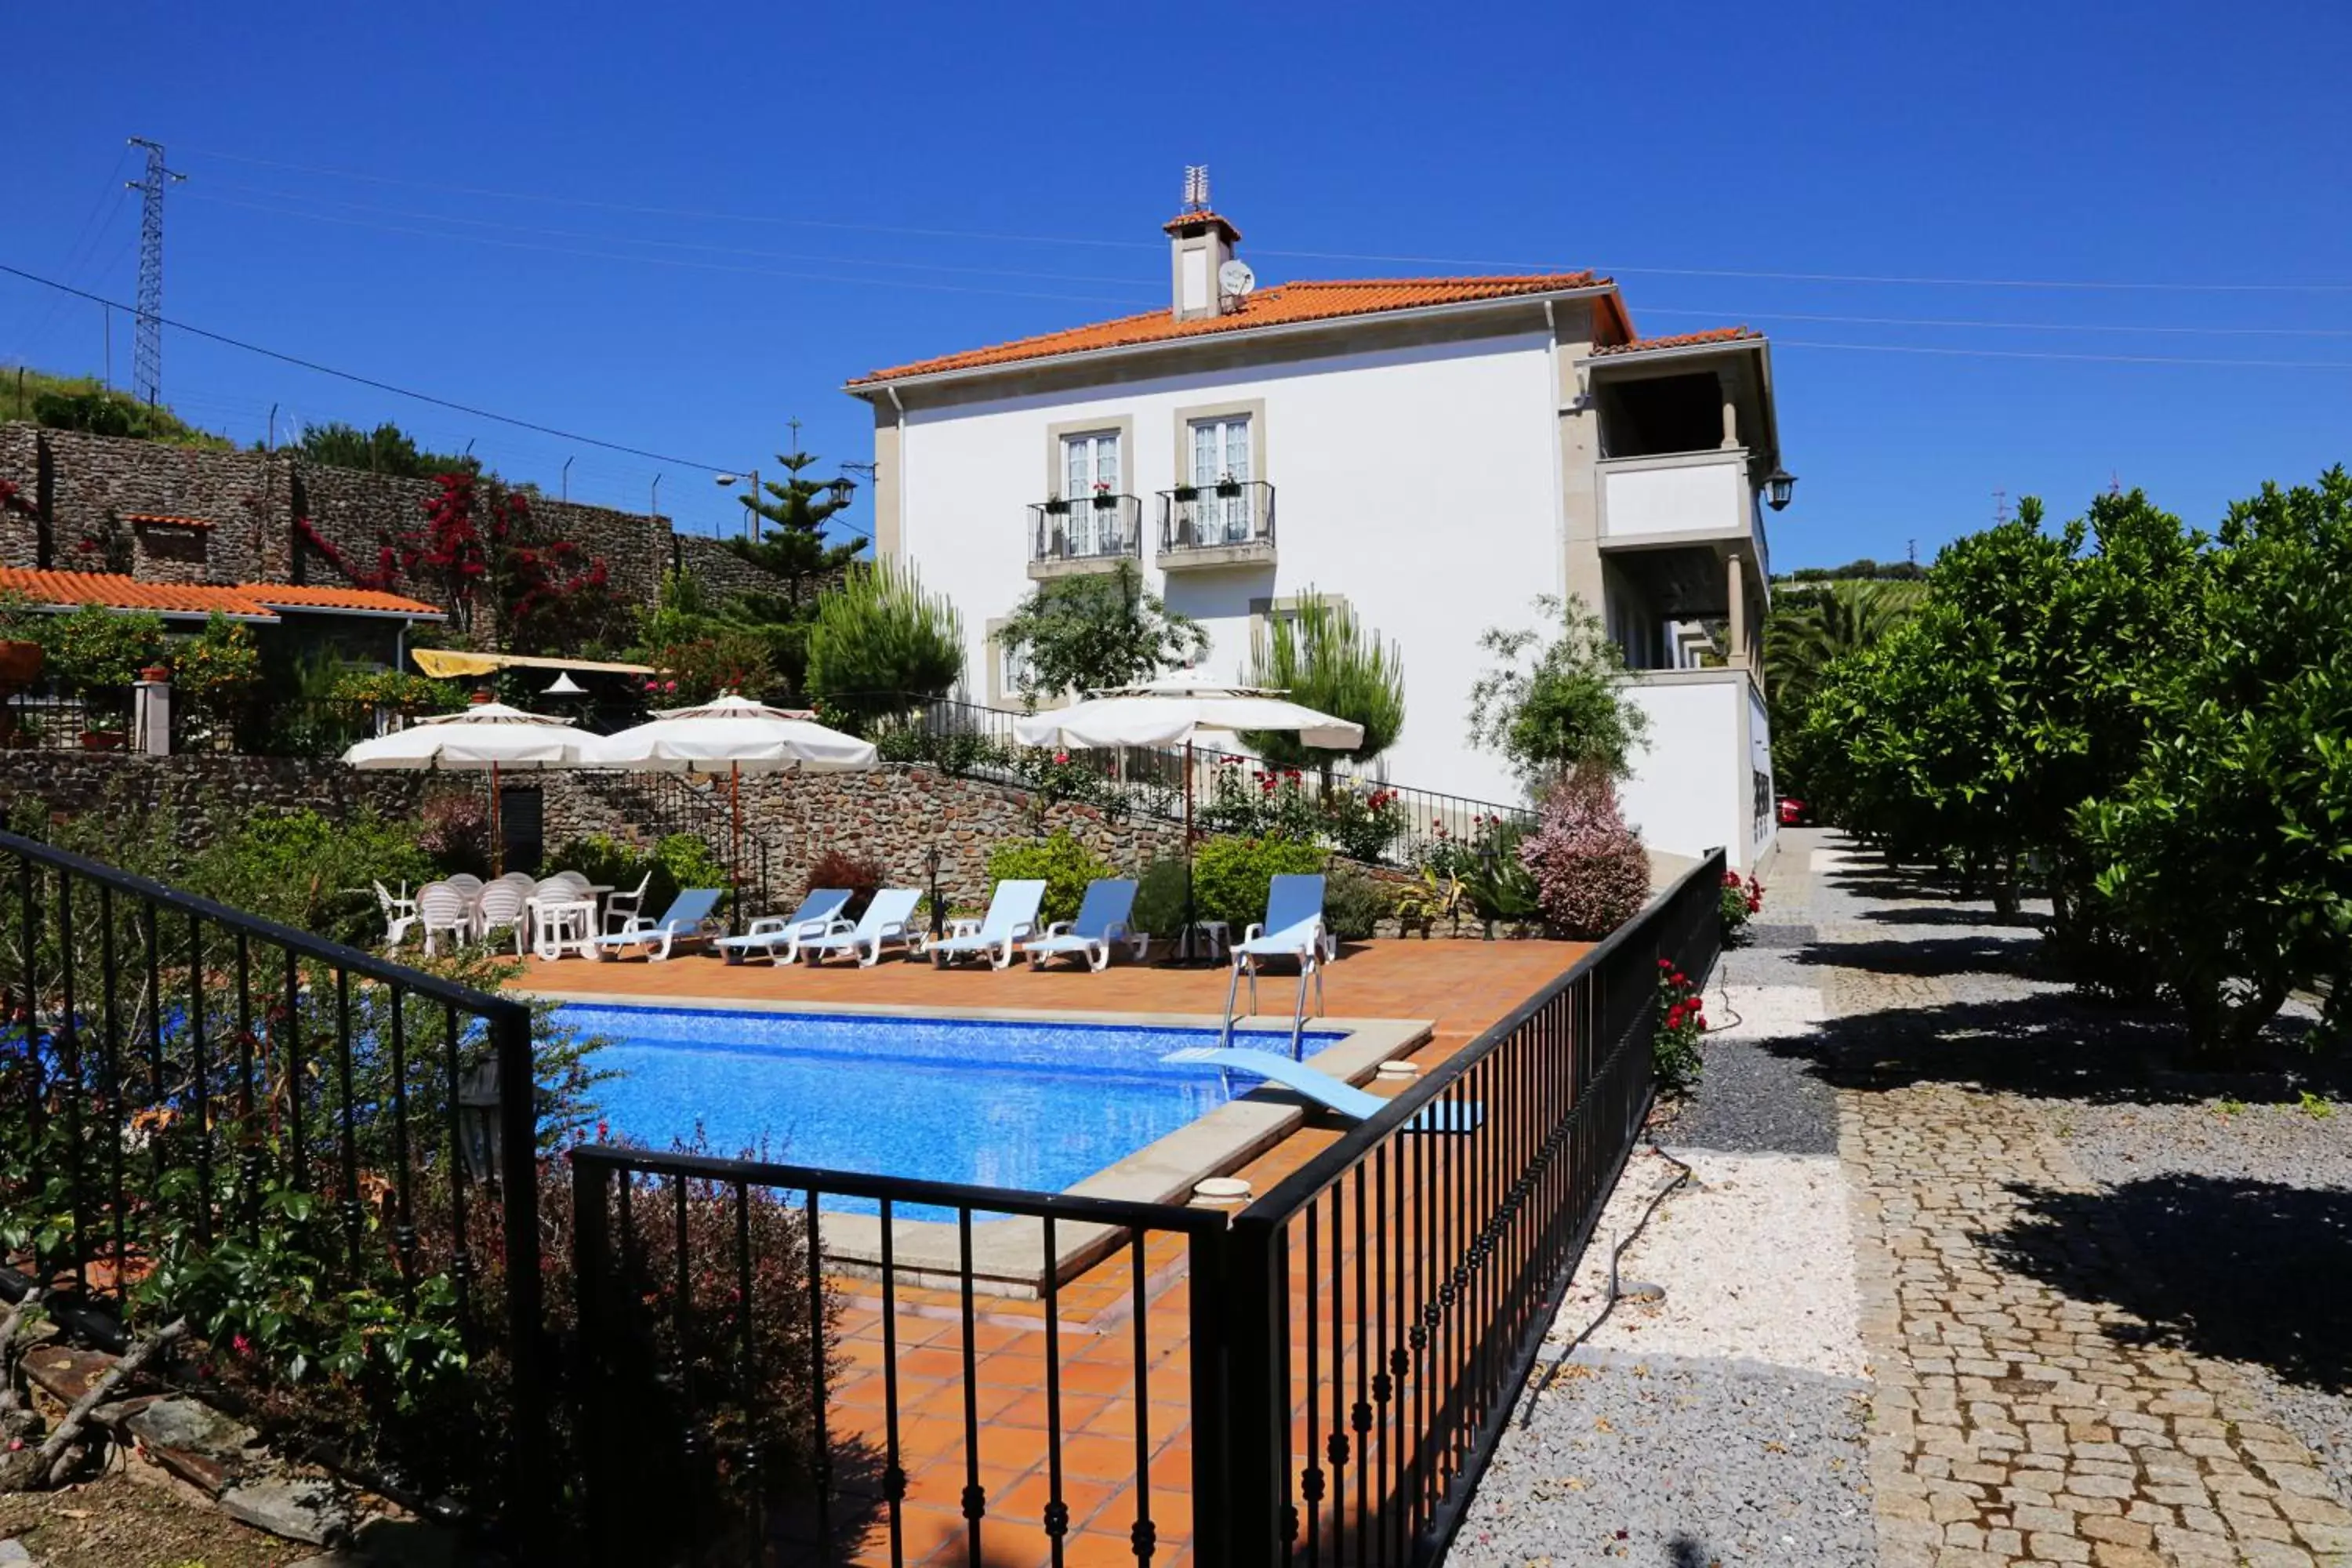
<point x="1663" y="964"/>
<point x="1060" y="757"/>
<point x="669" y="686"/>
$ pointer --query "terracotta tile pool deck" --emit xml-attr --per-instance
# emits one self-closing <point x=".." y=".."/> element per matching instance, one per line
<point x="1462" y="986"/>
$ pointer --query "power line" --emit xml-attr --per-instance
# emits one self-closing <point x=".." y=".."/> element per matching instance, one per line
<point x="680" y="262"/>
<point x="684" y="212"/>
<point x="357" y="379"/>
<point x="2059" y="354"/>
<point x="637" y="239"/>
<point x="1757" y="274"/>
<point x="2004" y="326"/>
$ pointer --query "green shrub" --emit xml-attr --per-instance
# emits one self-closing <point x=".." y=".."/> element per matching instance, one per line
<point x="1160" y="899"/>
<point x="95" y="653"/>
<point x="606" y="861"/>
<point x="687" y="862"/>
<point x="310" y="872"/>
<point x="1065" y="865"/>
<point x="1232" y="875"/>
<point x="880" y="642"/>
<point x="1354" y="903"/>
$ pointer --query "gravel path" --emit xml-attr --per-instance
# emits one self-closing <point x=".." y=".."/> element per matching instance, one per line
<point x="1724" y="1424"/>
<point x="1683" y="1464"/>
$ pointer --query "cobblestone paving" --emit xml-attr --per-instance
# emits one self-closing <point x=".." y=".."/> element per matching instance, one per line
<point x="2015" y="1421"/>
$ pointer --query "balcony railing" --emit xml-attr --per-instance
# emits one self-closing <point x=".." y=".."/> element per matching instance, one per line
<point x="1217" y="524"/>
<point x="1096" y="528"/>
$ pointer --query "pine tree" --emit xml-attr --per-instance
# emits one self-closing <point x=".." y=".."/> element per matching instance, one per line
<point x="793" y="514"/>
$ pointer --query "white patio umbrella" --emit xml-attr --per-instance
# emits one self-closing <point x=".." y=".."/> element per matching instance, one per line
<point x="1173" y="712"/>
<point x="487" y="735"/>
<point x="732" y="735"/>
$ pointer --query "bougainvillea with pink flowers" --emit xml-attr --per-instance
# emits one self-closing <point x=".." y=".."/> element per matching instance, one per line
<point x="1592" y="873"/>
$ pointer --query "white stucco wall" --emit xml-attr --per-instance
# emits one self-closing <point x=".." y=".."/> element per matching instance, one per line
<point x="1672" y="495"/>
<point x="1417" y="482"/>
<point x="1689" y="789"/>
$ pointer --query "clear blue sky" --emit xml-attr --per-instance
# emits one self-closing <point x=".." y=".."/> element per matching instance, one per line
<point x="722" y="196"/>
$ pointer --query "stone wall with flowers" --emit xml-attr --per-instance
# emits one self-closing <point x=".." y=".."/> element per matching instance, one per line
<point x="274" y="517"/>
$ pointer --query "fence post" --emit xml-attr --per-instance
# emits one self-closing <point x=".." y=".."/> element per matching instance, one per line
<point x="528" y="1501"/>
<point x="1256" y="1404"/>
<point x="1212" y="1390"/>
<point x="592" y="1196"/>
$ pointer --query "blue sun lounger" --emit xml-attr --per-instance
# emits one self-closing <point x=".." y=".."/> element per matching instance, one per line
<point x="778" y="938"/>
<point x="688" y="919"/>
<point x="1347" y="1099"/>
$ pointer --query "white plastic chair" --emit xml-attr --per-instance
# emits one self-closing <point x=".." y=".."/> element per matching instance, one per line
<point x="579" y="882"/>
<point x="502" y="908"/>
<point x="399" y="914"/>
<point x="468" y="884"/>
<point x="444" y="907"/>
<point x="620" y="909"/>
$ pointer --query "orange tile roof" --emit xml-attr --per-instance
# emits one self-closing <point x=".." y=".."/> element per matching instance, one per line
<point x="1282" y="305"/>
<point x="1680" y="341"/>
<point x="305" y="597"/>
<point x="252" y="600"/>
<point x="166" y="520"/>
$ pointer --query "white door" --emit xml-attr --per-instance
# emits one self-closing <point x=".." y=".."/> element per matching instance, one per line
<point x="1221" y="452"/>
<point x="1090" y="467"/>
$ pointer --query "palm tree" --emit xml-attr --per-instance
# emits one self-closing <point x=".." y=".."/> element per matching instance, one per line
<point x="1812" y="627"/>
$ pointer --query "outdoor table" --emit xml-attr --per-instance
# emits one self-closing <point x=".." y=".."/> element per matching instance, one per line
<point x="558" y="923"/>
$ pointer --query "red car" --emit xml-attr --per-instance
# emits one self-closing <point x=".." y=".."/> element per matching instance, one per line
<point x="1792" y="812"/>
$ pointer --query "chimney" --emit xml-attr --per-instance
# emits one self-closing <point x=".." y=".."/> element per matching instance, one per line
<point x="1199" y="243"/>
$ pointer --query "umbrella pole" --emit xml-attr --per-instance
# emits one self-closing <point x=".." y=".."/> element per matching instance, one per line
<point x="735" y="863"/>
<point x="1191" y="935"/>
<point x="497" y="839"/>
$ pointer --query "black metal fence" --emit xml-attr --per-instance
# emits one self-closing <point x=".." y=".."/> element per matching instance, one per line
<point x="1368" y="819"/>
<point x="1400" y="1285"/>
<point x="1321" y="1377"/>
<point x="35" y="724"/>
<point x="176" y="1077"/>
<point x="1216" y="515"/>
<point x="1086" y="528"/>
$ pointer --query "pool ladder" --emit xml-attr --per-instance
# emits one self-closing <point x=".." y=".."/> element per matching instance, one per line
<point x="1311" y="963"/>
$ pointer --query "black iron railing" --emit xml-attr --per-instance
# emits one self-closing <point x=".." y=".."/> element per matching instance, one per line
<point x="1367" y="819"/>
<point x="1429" y="1263"/>
<point x="175" y="1075"/>
<point x="1086" y="528"/>
<point x="859" y="1472"/>
<point x="1018" y="1376"/>
<point x="1216" y="515"/>
<point x="699" y="807"/>
<point x="33" y="723"/>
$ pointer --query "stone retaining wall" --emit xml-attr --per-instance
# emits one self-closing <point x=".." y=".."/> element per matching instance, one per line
<point x="76" y="482"/>
<point x="202" y="795"/>
<point x="892" y="815"/>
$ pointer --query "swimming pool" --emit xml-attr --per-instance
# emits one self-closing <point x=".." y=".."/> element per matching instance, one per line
<point x="1035" y="1105"/>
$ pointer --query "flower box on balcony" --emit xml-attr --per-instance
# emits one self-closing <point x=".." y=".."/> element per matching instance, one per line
<point x="1104" y="501"/>
<point x="1057" y="507"/>
<point x="1187" y="492"/>
<point x="1228" y="488"/>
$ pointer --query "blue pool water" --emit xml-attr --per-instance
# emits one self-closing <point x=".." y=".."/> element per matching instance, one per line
<point x="1034" y="1106"/>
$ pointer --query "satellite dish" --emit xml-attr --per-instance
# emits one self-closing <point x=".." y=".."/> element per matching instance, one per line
<point x="1235" y="278"/>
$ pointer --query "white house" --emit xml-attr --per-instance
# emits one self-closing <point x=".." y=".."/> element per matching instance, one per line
<point x="1437" y="451"/>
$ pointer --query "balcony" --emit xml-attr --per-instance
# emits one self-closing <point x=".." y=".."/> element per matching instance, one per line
<point x="1205" y="527"/>
<point x="1088" y="534"/>
<point x="1682" y="499"/>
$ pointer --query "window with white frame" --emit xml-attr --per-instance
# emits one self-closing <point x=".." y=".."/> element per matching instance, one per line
<point x="1012" y="669"/>
<point x="1090" y="467"/>
<point x="1221" y="456"/>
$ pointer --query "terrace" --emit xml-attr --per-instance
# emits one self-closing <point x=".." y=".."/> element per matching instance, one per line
<point x="1173" y="1382"/>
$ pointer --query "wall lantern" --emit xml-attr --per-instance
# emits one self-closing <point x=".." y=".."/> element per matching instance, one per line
<point x="1779" y="488"/>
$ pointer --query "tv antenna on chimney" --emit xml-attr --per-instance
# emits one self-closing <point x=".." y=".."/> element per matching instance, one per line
<point x="1196" y="186"/>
